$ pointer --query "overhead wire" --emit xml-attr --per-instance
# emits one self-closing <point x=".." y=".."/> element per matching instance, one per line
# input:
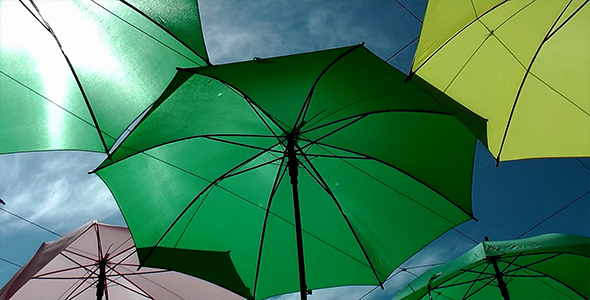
<point x="31" y="222"/>
<point x="553" y="214"/>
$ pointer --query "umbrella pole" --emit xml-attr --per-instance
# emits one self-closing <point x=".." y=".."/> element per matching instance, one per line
<point x="101" y="284"/>
<point x="499" y="278"/>
<point x="292" y="164"/>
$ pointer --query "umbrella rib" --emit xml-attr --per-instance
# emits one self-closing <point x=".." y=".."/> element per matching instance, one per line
<point x="363" y="115"/>
<point x="453" y="36"/>
<point x="256" y="167"/>
<point x="145" y="293"/>
<point x="392" y="188"/>
<point x="86" y="267"/>
<point x="69" y="296"/>
<point x="567" y="20"/>
<point x="278" y="179"/>
<point x="193" y="216"/>
<point x="123" y="251"/>
<point x="479" y="275"/>
<point x="98" y="242"/>
<point x="42" y="276"/>
<point x="256" y="109"/>
<point x="531" y="73"/>
<point x="211" y="184"/>
<point x="524" y="79"/>
<point x="306" y="103"/>
<point x="249" y="100"/>
<point x="74" y="74"/>
<point x="327" y="189"/>
<point x="543" y="275"/>
<point x="152" y="281"/>
<point x="206" y="60"/>
<point x="79" y="254"/>
<point x="208" y="136"/>
<point x="239" y="144"/>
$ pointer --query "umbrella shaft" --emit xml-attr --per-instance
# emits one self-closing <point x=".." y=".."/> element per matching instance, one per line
<point x="500" y="279"/>
<point x="101" y="284"/>
<point x="292" y="164"/>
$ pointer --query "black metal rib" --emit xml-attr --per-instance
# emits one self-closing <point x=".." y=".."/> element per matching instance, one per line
<point x="249" y="100"/>
<point x="192" y="217"/>
<point x="405" y="173"/>
<point x="74" y="74"/>
<point x="524" y="79"/>
<point x="306" y="103"/>
<point x="206" y="60"/>
<point x="69" y="296"/>
<point x="210" y="185"/>
<point x="278" y="178"/>
<point x="145" y="293"/>
<point x="42" y="275"/>
<point x="209" y="136"/>
<point x="488" y="282"/>
<point x="256" y="167"/>
<point x="151" y="36"/>
<point x="360" y="116"/>
<point x="327" y="189"/>
<point x="240" y="144"/>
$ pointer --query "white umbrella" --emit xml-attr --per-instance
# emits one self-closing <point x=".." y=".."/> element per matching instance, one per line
<point x="99" y="260"/>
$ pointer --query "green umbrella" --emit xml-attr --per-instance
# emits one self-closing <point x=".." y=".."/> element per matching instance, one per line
<point x="523" y="64"/>
<point x="549" y="266"/>
<point x="75" y="73"/>
<point x="314" y="170"/>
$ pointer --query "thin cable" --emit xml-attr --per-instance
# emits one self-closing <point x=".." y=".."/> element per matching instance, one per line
<point x="558" y="211"/>
<point x="402" y="49"/>
<point x="10" y="262"/>
<point x="466" y="236"/>
<point x="584" y="165"/>
<point x="31" y="222"/>
<point x="406" y="9"/>
<point x="405" y="269"/>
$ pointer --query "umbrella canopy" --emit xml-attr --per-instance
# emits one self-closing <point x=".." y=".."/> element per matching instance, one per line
<point x="75" y="74"/>
<point x="322" y="169"/>
<point x="521" y="64"/>
<point x="98" y="260"/>
<point x="550" y="266"/>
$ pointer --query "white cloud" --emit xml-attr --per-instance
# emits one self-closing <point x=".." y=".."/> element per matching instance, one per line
<point x="53" y="189"/>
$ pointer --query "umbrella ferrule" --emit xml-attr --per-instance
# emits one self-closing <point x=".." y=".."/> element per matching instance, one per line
<point x="292" y="161"/>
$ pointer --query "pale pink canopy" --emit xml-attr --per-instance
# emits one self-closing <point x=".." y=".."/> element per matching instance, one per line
<point x="68" y="268"/>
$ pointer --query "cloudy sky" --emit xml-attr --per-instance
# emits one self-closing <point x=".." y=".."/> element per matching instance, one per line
<point x="54" y="190"/>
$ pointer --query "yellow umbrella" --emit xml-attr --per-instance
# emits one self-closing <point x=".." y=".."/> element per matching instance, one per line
<point x="524" y="65"/>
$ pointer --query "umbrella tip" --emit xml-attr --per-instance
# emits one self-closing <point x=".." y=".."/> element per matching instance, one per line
<point x="362" y="43"/>
<point x="409" y="77"/>
<point x="2" y="202"/>
<point x="91" y="171"/>
<point x="486" y="238"/>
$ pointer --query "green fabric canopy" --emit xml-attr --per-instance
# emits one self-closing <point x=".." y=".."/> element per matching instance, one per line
<point x="545" y="267"/>
<point x="69" y="68"/>
<point x="234" y="157"/>
<point x="523" y="64"/>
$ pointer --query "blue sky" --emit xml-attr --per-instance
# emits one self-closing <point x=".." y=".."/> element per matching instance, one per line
<point x="53" y="189"/>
